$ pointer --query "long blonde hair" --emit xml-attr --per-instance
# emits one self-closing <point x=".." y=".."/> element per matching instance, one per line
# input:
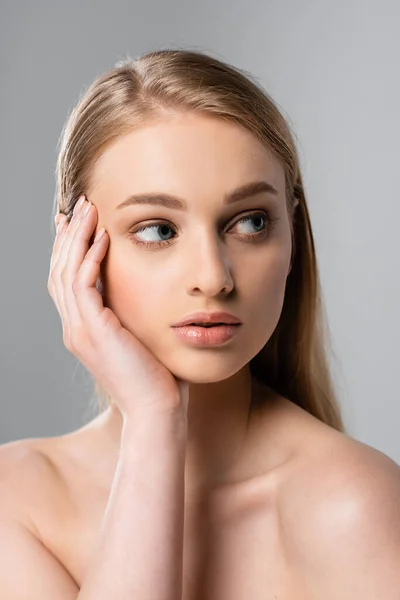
<point x="294" y="361"/>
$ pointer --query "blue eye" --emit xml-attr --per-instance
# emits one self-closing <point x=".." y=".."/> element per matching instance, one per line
<point x="264" y="222"/>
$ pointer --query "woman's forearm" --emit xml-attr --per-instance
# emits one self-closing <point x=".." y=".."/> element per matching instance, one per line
<point x="139" y="555"/>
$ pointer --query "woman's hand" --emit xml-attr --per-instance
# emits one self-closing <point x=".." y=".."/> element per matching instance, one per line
<point x="136" y="380"/>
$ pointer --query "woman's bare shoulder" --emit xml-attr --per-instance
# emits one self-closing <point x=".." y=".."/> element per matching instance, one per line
<point x="27" y="477"/>
<point x="330" y="459"/>
<point x="29" y="457"/>
<point x="334" y="482"/>
<point x="324" y="460"/>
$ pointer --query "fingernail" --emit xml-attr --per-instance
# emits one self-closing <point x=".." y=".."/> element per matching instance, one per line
<point x="61" y="222"/>
<point x="99" y="234"/>
<point x="86" y="209"/>
<point x="79" y="204"/>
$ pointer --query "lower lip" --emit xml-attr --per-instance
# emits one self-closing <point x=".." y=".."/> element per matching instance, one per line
<point x="207" y="336"/>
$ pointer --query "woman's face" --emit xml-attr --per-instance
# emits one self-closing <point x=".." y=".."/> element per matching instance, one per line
<point x="198" y="259"/>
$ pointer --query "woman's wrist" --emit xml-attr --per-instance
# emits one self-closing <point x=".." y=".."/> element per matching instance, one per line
<point x="159" y="429"/>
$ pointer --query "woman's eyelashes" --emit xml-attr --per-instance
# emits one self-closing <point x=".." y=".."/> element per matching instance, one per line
<point x="264" y="224"/>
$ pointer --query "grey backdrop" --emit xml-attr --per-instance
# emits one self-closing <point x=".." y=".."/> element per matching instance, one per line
<point x="332" y="67"/>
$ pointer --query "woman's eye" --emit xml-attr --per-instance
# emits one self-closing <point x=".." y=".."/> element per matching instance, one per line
<point x="253" y="227"/>
<point x="152" y="238"/>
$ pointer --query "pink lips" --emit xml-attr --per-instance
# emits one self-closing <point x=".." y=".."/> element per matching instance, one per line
<point x="217" y="317"/>
<point x="207" y="336"/>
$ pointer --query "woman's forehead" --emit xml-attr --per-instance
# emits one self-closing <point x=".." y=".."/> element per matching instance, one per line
<point x="185" y="157"/>
<point x="186" y="138"/>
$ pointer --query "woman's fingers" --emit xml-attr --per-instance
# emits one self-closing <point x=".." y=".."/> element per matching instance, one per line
<point x="60" y="234"/>
<point x="88" y="299"/>
<point x="93" y="332"/>
<point x="67" y="257"/>
<point x="58" y="218"/>
<point x="61" y="230"/>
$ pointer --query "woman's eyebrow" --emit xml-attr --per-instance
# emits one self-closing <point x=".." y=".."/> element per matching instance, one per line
<point x="168" y="201"/>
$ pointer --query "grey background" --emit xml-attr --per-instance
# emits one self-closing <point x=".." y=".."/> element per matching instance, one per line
<point x="332" y="67"/>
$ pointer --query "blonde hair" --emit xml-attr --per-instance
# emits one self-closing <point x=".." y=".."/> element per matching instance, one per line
<point x="294" y="361"/>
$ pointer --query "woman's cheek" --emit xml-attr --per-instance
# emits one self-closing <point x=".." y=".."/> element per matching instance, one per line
<point x="134" y="293"/>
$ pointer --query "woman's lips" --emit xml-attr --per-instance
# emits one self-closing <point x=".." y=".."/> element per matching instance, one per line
<point x="213" y="335"/>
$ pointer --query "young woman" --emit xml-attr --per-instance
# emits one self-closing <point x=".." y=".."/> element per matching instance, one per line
<point x="218" y="467"/>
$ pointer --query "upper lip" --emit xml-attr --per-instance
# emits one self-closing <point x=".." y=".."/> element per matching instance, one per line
<point x="218" y="317"/>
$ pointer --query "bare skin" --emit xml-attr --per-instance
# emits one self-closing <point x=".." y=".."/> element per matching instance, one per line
<point x="202" y="265"/>
<point x="236" y="543"/>
<point x="250" y="476"/>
